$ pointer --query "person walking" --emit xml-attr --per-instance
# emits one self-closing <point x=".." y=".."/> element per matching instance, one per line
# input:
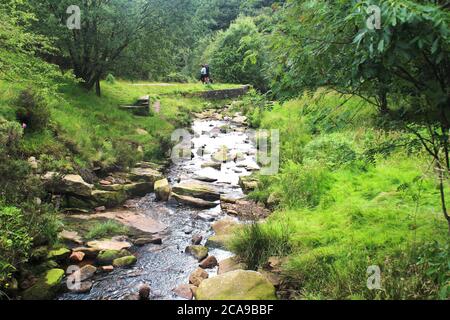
<point x="203" y="74"/>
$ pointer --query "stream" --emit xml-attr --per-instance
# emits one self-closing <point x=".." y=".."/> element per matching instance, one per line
<point x="165" y="267"/>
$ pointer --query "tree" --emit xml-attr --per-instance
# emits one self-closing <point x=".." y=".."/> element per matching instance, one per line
<point x="401" y="68"/>
<point x="237" y="55"/>
<point x="107" y="28"/>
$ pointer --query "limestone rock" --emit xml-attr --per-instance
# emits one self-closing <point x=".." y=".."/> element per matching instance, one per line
<point x="162" y="190"/>
<point x="198" y="252"/>
<point x="194" y="202"/>
<point x="124" y="261"/>
<point x="68" y="184"/>
<point x="145" y="174"/>
<point x="196" y="189"/>
<point x="198" y="276"/>
<point x="236" y="285"/>
<point x="109" y="245"/>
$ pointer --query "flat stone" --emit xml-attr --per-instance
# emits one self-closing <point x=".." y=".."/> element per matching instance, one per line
<point x="70" y="236"/>
<point x="70" y="183"/>
<point x="194" y="202"/>
<point x="236" y="285"/>
<point x="107" y="268"/>
<point x="148" y="240"/>
<point x="109" y="245"/>
<point x="145" y="174"/>
<point x="196" y="189"/>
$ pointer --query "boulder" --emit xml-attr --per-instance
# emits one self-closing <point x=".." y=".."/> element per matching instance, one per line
<point x="248" y="183"/>
<point x="198" y="276"/>
<point x="162" y="190"/>
<point x="184" y="291"/>
<point x="194" y="202"/>
<point x="197" y="190"/>
<point x="59" y="254"/>
<point x="124" y="261"/>
<point x="68" y="184"/>
<point x="198" y="252"/>
<point x="84" y="273"/>
<point x="46" y="287"/>
<point x="109" y="199"/>
<point x="147" y="240"/>
<point x="138" y="189"/>
<point x="106" y="257"/>
<point x="236" y="285"/>
<point x="76" y="257"/>
<point x="146" y="175"/>
<point x="230" y="264"/>
<point x="214" y="165"/>
<point x="209" y="263"/>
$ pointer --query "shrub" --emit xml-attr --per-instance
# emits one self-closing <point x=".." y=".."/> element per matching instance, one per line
<point x="106" y="229"/>
<point x="177" y="77"/>
<point x="15" y="241"/>
<point x="255" y="243"/>
<point x="33" y="110"/>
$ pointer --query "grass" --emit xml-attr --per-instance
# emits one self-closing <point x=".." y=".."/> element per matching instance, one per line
<point x="90" y="126"/>
<point x="345" y="211"/>
<point x="105" y="229"/>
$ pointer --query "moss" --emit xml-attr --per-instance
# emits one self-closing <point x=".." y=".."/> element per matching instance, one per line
<point x="107" y="257"/>
<point x="124" y="261"/>
<point x="46" y="287"/>
<point x="59" y="254"/>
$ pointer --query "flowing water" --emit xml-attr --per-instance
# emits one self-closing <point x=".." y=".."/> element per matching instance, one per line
<point x="166" y="266"/>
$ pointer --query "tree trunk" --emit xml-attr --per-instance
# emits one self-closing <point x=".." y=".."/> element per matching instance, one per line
<point x="97" y="87"/>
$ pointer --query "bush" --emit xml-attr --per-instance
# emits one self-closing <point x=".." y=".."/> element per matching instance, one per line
<point x="177" y="77"/>
<point x="255" y="243"/>
<point x="33" y="110"/>
<point x="15" y="241"/>
<point x="106" y="229"/>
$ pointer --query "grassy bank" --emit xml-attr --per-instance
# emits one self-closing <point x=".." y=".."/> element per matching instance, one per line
<point x="73" y="131"/>
<point x="348" y="196"/>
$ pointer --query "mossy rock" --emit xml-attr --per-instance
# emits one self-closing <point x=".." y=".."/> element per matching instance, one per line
<point x="59" y="254"/>
<point x="39" y="254"/>
<point x="221" y="241"/>
<point x="138" y="189"/>
<point x="109" y="199"/>
<point x="236" y="285"/>
<point x="106" y="257"/>
<point x="195" y="189"/>
<point x="124" y="261"/>
<point x="46" y="287"/>
<point x="199" y="252"/>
